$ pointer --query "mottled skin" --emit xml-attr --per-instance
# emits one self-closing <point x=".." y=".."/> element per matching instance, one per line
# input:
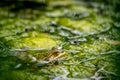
<point x="54" y="54"/>
<point x="51" y="56"/>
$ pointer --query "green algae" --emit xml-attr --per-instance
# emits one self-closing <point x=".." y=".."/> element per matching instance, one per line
<point x="35" y="40"/>
<point x="90" y="39"/>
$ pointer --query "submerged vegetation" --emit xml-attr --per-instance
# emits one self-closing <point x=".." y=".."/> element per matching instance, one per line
<point x="60" y="40"/>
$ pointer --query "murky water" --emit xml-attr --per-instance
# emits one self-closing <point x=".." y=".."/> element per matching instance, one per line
<point x="59" y="40"/>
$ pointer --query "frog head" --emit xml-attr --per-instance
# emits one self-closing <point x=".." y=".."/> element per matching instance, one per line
<point x="55" y="54"/>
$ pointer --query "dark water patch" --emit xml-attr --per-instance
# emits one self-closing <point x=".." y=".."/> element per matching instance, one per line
<point x="18" y="5"/>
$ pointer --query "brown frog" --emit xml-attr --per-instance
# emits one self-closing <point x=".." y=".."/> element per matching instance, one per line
<point x="52" y="56"/>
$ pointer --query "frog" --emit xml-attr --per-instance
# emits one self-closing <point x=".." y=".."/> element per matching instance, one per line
<point x="50" y="57"/>
<point x="53" y="55"/>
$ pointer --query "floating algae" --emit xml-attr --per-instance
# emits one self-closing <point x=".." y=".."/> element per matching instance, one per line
<point x="59" y="40"/>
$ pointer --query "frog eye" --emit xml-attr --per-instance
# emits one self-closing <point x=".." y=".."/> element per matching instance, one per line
<point x="62" y="51"/>
<point x="55" y="52"/>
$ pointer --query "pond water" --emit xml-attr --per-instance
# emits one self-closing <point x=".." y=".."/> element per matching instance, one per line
<point x="59" y="40"/>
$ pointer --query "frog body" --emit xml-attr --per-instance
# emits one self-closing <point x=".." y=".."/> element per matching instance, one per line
<point x="54" y="54"/>
<point x="51" y="56"/>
